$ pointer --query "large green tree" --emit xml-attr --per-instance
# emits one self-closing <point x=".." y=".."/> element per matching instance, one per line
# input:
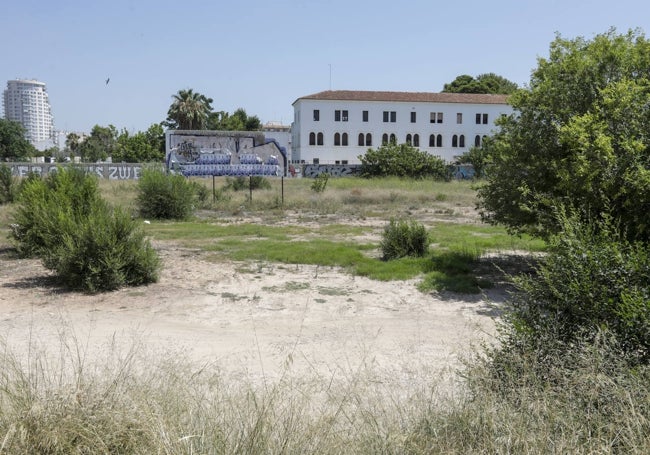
<point x="189" y="111"/>
<point x="578" y="140"/>
<point x="13" y="144"/>
<point x="402" y="160"/>
<point x="141" y="147"/>
<point x="238" y="121"/>
<point x="483" y="83"/>
<point x="99" y="145"/>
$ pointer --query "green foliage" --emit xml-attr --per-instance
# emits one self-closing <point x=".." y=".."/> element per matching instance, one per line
<point x="483" y="83"/>
<point x="8" y="185"/>
<point x="593" y="280"/>
<point x="238" y="121"/>
<point x="578" y="139"/>
<point x="477" y="157"/>
<point x="165" y="196"/>
<point x="320" y="182"/>
<point x="255" y="182"/>
<point x="189" y="111"/>
<point x="13" y="144"/>
<point x="141" y="147"/>
<point x="101" y="144"/>
<point x="402" y="160"/>
<point x="403" y="238"/>
<point x="63" y="220"/>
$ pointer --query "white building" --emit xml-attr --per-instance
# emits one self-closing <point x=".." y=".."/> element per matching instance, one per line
<point x="335" y="127"/>
<point x="279" y="133"/>
<point x="27" y="102"/>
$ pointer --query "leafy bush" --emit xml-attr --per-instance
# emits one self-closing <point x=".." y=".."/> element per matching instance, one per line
<point x="404" y="238"/>
<point x="255" y="182"/>
<point x="63" y="220"/>
<point x="8" y="185"/>
<point x="592" y="280"/>
<point x="165" y="196"/>
<point x="320" y="182"/>
<point x="402" y="161"/>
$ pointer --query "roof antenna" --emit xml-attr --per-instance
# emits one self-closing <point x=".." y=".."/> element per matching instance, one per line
<point x="330" y="77"/>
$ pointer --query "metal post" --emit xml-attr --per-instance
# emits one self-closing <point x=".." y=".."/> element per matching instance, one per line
<point x="250" y="188"/>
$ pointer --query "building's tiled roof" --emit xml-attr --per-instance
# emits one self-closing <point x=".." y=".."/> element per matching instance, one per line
<point x="413" y="97"/>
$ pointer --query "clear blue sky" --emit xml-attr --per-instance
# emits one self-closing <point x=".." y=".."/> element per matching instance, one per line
<point x="263" y="55"/>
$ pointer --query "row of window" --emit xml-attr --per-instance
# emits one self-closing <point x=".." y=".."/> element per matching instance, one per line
<point x="391" y="117"/>
<point x="435" y="140"/>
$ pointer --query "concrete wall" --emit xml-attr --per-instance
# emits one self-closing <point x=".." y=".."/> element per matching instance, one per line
<point x="122" y="171"/>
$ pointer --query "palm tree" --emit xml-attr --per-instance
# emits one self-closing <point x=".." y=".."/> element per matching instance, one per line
<point x="189" y="111"/>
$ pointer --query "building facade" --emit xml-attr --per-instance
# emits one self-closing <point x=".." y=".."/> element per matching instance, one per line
<point x="336" y="127"/>
<point x="27" y="102"/>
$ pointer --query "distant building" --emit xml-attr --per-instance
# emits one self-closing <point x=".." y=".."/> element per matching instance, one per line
<point x="279" y="133"/>
<point x="27" y="102"/>
<point x="335" y="127"/>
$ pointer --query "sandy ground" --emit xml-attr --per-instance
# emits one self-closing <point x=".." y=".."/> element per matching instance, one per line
<point x="254" y="320"/>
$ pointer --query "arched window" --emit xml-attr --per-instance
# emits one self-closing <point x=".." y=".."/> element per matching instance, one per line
<point x="312" y="138"/>
<point x="344" y="139"/>
<point x="439" y="140"/>
<point x="361" y="139"/>
<point x="454" y="141"/>
<point x="384" y="139"/>
<point x="432" y="140"/>
<point x="409" y="140"/>
<point x="477" y="141"/>
<point x="461" y="140"/>
<point x="416" y="140"/>
<point x="368" y="139"/>
<point x="393" y="139"/>
<point x="337" y="139"/>
<point x="319" y="139"/>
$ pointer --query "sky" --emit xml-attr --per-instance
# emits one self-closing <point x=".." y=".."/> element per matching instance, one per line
<point x="262" y="56"/>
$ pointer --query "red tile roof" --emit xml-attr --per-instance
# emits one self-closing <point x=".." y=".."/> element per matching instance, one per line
<point x="414" y="97"/>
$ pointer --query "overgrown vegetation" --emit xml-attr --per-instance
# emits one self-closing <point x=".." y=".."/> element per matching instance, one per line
<point x="8" y="185"/>
<point x="162" y="195"/>
<point x="403" y="238"/>
<point x="320" y="182"/>
<point x="402" y="160"/>
<point x="63" y="220"/>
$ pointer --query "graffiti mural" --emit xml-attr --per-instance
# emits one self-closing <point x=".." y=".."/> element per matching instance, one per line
<point x="122" y="171"/>
<point x="219" y="153"/>
<point x="335" y="170"/>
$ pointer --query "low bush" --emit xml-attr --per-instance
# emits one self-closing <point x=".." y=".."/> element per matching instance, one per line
<point x="241" y="183"/>
<point x="320" y="182"/>
<point x="402" y="160"/>
<point x="63" y="220"/>
<point x="404" y="238"/>
<point x="165" y="196"/>
<point x="8" y="185"/>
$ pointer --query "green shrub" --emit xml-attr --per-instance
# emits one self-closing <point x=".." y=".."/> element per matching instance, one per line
<point x="320" y="182"/>
<point x="103" y="252"/>
<point x="8" y="185"/>
<point x="402" y="160"/>
<point x="165" y="196"/>
<point x="592" y="280"/>
<point x="63" y="220"/>
<point x="404" y="238"/>
<point x="255" y="182"/>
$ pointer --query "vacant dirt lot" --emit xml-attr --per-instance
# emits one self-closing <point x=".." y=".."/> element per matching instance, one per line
<point x="256" y="321"/>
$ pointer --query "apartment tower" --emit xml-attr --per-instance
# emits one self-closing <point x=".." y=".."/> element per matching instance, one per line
<point x="27" y="102"/>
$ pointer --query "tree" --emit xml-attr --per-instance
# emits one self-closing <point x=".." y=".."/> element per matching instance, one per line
<point x="238" y="121"/>
<point x="577" y="141"/>
<point x="483" y="83"/>
<point x="72" y="142"/>
<point x="13" y="144"/>
<point x="189" y="111"/>
<point x="99" y="145"/>
<point x="141" y="147"/>
<point x="402" y="160"/>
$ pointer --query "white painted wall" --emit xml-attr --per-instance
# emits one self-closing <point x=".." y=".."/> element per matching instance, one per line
<point x="328" y="153"/>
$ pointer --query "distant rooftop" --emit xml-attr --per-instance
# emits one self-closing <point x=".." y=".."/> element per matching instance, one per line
<point x="415" y="97"/>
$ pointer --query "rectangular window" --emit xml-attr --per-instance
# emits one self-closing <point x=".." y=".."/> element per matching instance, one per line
<point x="413" y="116"/>
<point x="344" y="161"/>
<point x="337" y="116"/>
<point x="386" y="113"/>
<point x="393" y="116"/>
<point x="432" y="117"/>
<point x="459" y="118"/>
<point x="316" y="115"/>
<point x="485" y="119"/>
<point x="365" y="116"/>
<point x="478" y="119"/>
<point x="344" y="116"/>
<point x="439" y="117"/>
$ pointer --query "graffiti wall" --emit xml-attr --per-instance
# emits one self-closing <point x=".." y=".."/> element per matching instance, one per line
<point x="335" y="170"/>
<point x="121" y="171"/>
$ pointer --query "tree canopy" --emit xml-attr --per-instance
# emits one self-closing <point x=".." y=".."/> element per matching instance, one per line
<point x="402" y="160"/>
<point x="578" y="140"/>
<point x="189" y="111"/>
<point x="238" y="121"/>
<point x="13" y="144"/>
<point x="483" y="83"/>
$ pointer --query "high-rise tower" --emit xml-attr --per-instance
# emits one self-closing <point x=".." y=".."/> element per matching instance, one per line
<point x="27" y="102"/>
